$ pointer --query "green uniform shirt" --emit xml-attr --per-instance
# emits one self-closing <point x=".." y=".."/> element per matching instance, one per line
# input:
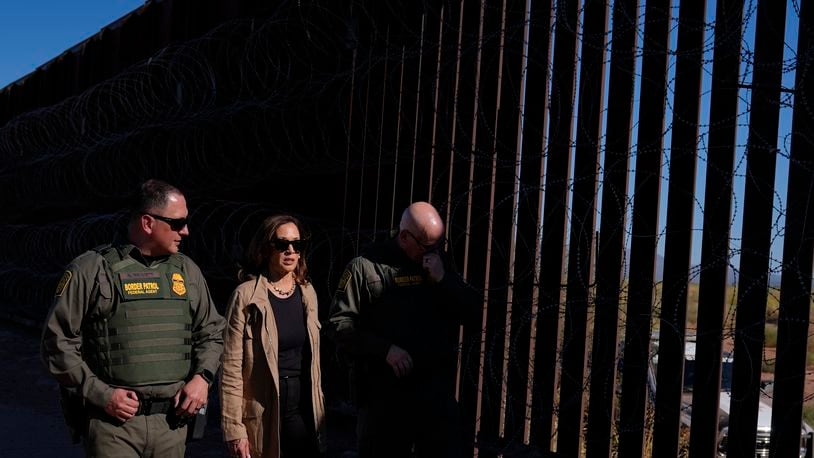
<point x="78" y="294"/>
<point x="385" y="298"/>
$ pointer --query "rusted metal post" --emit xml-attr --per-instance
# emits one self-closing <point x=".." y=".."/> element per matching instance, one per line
<point x="583" y="227"/>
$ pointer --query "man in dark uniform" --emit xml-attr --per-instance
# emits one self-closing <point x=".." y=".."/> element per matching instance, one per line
<point x="397" y="312"/>
<point x="133" y="337"/>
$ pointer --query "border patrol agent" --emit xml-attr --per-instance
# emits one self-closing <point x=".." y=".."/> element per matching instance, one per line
<point x="396" y="313"/>
<point x="133" y="337"/>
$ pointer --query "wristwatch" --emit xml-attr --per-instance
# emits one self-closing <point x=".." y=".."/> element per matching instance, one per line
<point x="207" y="375"/>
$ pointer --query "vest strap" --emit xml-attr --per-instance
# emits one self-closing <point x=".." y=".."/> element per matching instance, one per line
<point x="136" y="359"/>
<point x="165" y="342"/>
<point x="149" y="328"/>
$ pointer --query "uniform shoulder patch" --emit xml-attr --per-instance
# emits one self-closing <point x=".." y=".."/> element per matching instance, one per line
<point x="63" y="283"/>
<point x="343" y="281"/>
<point x="178" y="284"/>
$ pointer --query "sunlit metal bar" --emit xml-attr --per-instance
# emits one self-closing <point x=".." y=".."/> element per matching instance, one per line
<point x="554" y="211"/>
<point x="678" y="243"/>
<point x="644" y="227"/>
<point x="798" y="247"/>
<point x="583" y="226"/>
<point x="717" y="221"/>
<point x="758" y="204"/>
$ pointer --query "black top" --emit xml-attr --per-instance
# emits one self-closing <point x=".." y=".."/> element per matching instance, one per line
<point x="289" y="314"/>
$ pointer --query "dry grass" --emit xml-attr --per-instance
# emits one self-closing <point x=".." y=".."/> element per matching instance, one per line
<point x="770" y="340"/>
<point x="772" y="317"/>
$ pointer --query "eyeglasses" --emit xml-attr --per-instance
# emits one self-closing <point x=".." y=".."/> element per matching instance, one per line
<point x="281" y="245"/>
<point x="428" y="248"/>
<point x="176" y="224"/>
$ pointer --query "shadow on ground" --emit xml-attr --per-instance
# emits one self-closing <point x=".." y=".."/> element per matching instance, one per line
<point x="31" y="422"/>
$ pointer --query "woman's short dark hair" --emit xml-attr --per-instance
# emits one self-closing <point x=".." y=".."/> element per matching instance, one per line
<point x="259" y="251"/>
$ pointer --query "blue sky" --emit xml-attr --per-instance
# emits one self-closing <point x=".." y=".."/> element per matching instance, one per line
<point x="33" y="32"/>
<point x="781" y="174"/>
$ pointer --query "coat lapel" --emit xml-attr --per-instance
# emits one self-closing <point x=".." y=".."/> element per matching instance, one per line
<point x="260" y="299"/>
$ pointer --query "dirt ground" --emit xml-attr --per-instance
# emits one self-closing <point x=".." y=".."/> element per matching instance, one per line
<point x="769" y="355"/>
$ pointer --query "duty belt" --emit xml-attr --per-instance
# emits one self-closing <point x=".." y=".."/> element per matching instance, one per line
<point x="152" y="406"/>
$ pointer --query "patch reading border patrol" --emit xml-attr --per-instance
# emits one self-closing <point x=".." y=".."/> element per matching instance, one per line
<point x="343" y="281"/>
<point x="63" y="283"/>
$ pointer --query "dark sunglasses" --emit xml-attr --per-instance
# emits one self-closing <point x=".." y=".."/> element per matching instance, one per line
<point x="428" y="248"/>
<point x="176" y="224"/>
<point x="281" y="245"/>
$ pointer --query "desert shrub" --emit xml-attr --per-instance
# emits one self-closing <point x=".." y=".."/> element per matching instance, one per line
<point x="770" y="338"/>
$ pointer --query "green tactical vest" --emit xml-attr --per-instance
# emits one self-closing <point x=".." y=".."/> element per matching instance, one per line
<point x="147" y="337"/>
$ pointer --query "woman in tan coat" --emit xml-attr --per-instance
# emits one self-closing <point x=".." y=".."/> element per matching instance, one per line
<point x="271" y="395"/>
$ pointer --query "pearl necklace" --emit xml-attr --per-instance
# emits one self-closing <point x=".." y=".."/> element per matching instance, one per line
<point x="284" y="293"/>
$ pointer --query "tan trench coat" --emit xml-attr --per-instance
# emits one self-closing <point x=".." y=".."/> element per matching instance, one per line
<point x="249" y="384"/>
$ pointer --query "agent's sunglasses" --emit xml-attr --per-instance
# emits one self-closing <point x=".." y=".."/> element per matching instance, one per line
<point x="282" y="245"/>
<point x="176" y="224"/>
<point x="428" y="248"/>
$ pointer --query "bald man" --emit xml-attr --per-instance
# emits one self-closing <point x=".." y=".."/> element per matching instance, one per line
<point x="396" y="313"/>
